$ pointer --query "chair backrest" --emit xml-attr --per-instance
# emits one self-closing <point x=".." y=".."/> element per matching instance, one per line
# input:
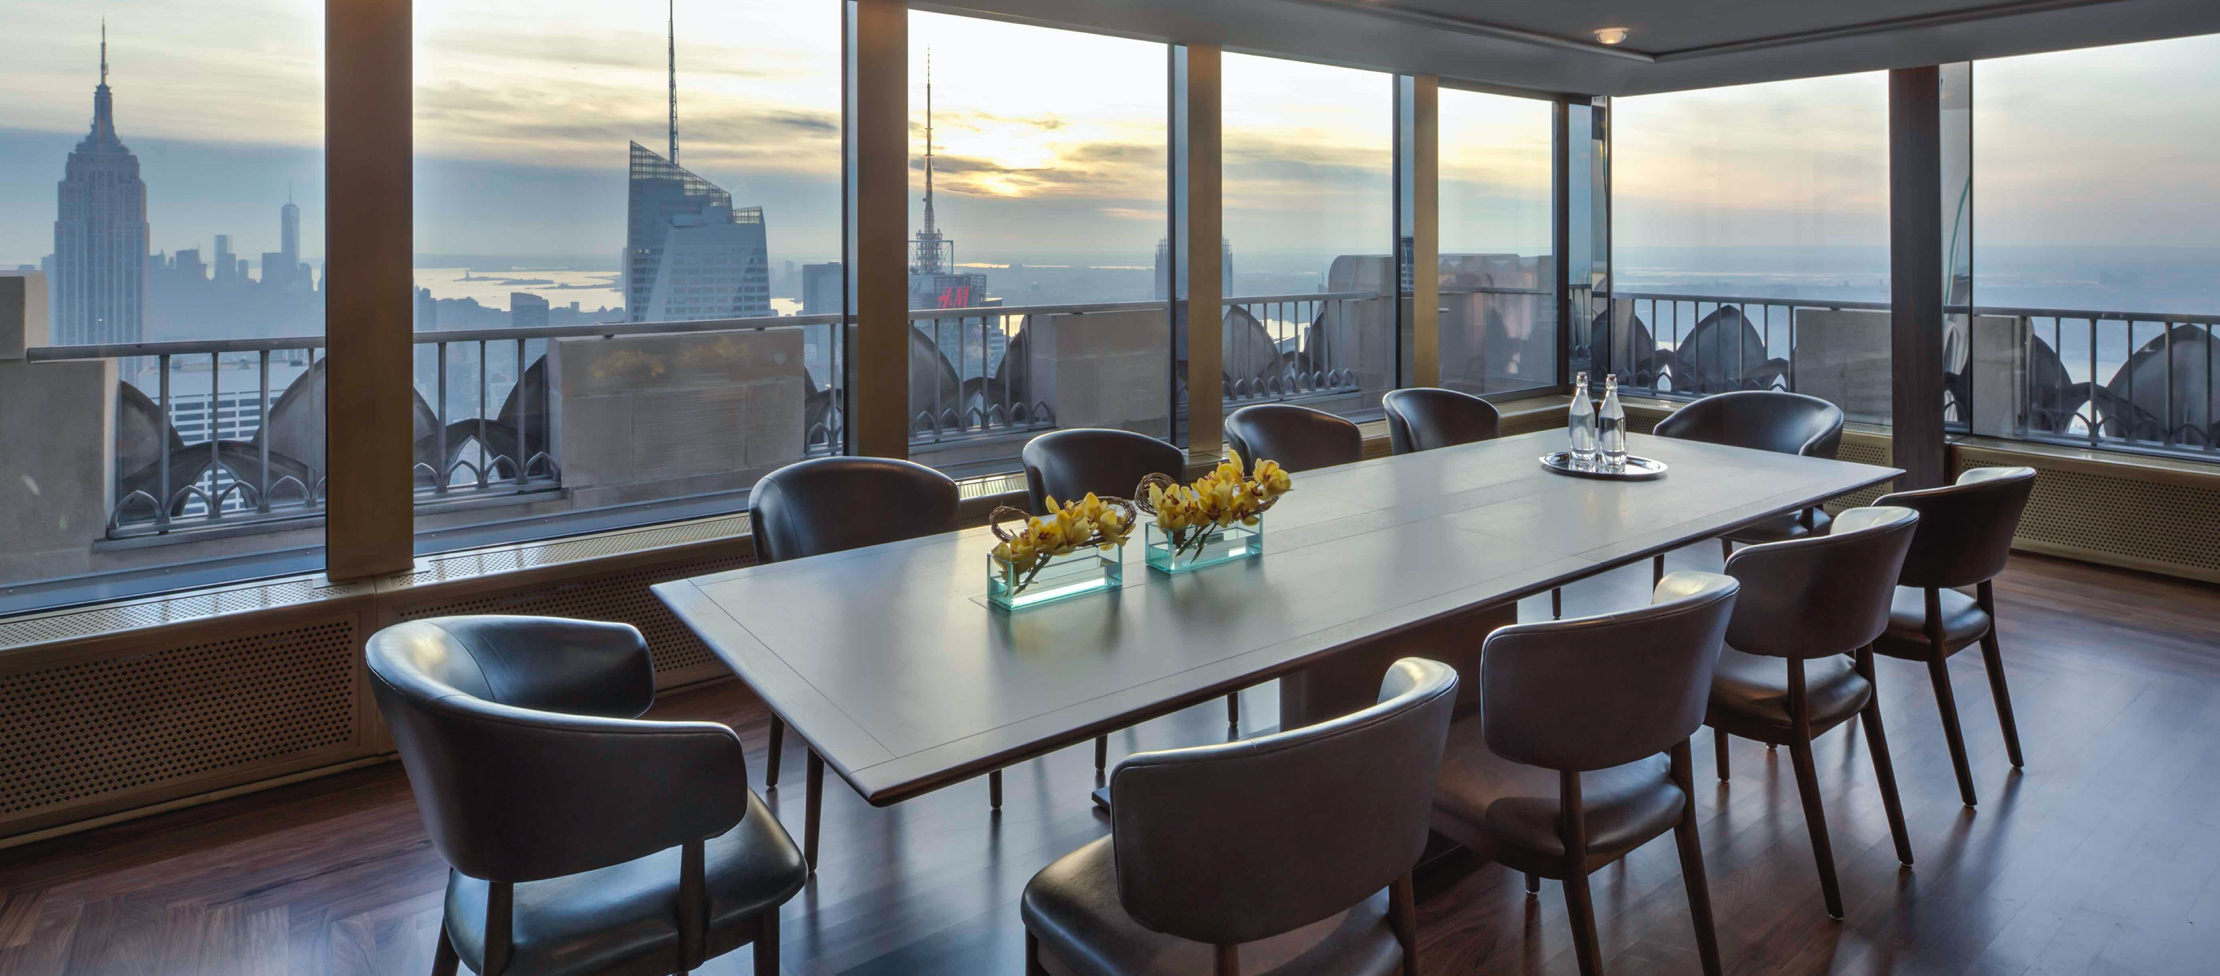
<point x="1821" y="595"/>
<point x="1299" y="438"/>
<point x="1595" y="692"/>
<point x="519" y="737"/>
<point x="1237" y="842"/>
<point x="830" y="504"/>
<point x="1766" y="420"/>
<point x="1427" y="418"/>
<point x="1067" y="464"/>
<point x="1965" y="529"/>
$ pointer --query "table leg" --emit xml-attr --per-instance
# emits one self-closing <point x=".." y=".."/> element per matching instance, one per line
<point x="812" y="806"/>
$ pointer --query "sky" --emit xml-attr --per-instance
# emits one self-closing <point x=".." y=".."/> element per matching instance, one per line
<point x="1047" y="142"/>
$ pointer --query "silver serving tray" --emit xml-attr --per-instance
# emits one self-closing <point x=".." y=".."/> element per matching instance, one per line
<point x="1637" y="468"/>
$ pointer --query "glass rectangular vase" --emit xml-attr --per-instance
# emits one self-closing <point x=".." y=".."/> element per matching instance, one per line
<point x="1061" y="578"/>
<point x="1223" y="546"/>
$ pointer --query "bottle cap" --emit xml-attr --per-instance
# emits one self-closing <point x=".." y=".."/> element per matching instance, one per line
<point x="1580" y="377"/>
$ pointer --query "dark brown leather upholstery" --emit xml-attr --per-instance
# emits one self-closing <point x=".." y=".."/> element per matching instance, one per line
<point x="1299" y="438"/>
<point x="1764" y="420"/>
<point x="830" y="504"/>
<point x="537" y="782"/>
<point x="1067" y="464"/>
<point x="1427" y="418"/>
<point x="1805" y="604"/>
<point x="1581" y="750"/>
<point x="1965" y="536"/>
<point x="1243" y="842"/>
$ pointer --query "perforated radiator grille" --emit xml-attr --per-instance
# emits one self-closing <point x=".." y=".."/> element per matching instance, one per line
<point x="620" y="597"/>
<point x="1863" y="451"/>
<point x="2143" y="523"/>
<point x="103" y="727"/>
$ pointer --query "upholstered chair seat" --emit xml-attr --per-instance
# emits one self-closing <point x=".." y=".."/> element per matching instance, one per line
<point x="1753" y="689"/>
<point x="1963" y="623"/>
<point x="1503" y="802"/>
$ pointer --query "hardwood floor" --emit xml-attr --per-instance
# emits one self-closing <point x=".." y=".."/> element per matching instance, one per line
<point x="2101" y="857"/>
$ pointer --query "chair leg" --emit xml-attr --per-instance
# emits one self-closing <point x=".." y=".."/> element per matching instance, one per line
<point x="767" y="942"/>
<point x="444" y="960"/>
<point x="994" y="790"/>
<point x="1938" y="672"/>
<point x="1580" y="910"/>
<point x="1033" y="965"/>
<point x="1992" y="657"/>
<point x="1233" y="709"/>
<point x="1719" y="742"/>
<point x="1657" y="569"/>
<point x="1815" y="820"/>
<point x="1102" y="753"/>
<point x="812" y="806"/>
<point x="1533" y="883"/>
<point x="1557" y="603"/>
<point x="1228" y="960"/>
<point x="1692" y="864"/>
<point x="1884" y="769"/>
<point x="1403" y="915"/>
<point x="1726" y="549"/>
<point x="778" y="747"/>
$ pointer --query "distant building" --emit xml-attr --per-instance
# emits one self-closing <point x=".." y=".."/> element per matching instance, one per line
<point x="289" y="232"/>
<point x="427" y="311"/>
<point x="821" y="289"/>
<point x="689" y="255"/>
<point x="527" y="311"/>
<point x="227" y="264"/>
<point x="100" y="234"/>
<point x="1164" y="270"/>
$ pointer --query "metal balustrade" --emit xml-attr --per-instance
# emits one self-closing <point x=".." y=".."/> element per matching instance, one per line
<point x="2140" y="382"/>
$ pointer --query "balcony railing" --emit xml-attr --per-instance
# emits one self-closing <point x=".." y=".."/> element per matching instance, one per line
<point x="210" y="455"/>
<point x="2122" y="381"/>
<point x="212" y="433"/>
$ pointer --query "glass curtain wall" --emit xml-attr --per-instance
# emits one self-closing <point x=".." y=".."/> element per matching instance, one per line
<point x="1750" y="241"/>
<point x="1308" y="197"/>
<point x="2097" y="265"/>
<point x="161" y="181"/>
<point x="1037" y="250"/>
<point x="1499" y="272"/>
<point x="628" y="246"/>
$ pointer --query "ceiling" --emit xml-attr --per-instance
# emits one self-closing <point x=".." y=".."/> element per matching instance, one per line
<point x="1547" y="45"/>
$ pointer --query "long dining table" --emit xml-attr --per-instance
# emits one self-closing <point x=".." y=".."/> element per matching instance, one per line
<point x="888" y="662"/>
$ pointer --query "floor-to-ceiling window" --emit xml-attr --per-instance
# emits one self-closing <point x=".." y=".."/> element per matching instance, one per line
<point x="1499" y="273"/>
<point x="628" y="259"/>
<point x="1750" y="241"/>
<point x="161" y="181"/>
<point x="2097" y="253"/>
<point x="1311" y="281"/>
<point x="1037" y="226"/>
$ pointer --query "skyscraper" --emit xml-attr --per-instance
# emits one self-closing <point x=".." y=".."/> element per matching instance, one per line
<point x="289" y="238"/>
<point x="934" y="280"/>
<point x="527" y="311"/>
<point x="100" y="234"/>
<point x="688" y="254"/>
<point x="227" y="263"/>
<point x="1164" y="271"/>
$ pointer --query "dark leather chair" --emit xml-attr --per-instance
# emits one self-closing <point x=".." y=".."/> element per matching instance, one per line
<point x="1787" y="674"/>
<point x="810" y="508"/>
<point x="1580" y="752"/>
<point x="1425" y="419"/>
<point x="1291" y="851"/>
<point x="1965" y="534"/>
<point x="1764" y="420"/>
<point x="1299" y="438"/>
<point x="1067" y="464"/>
<point x="582" y="839"/>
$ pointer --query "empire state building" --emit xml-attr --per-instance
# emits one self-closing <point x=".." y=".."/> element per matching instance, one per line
<point x="100" y="234"/>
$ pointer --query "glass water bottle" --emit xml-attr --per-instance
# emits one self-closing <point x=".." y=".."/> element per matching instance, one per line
<point x="1581" y="423"/>
<point x="1611" y="426"/>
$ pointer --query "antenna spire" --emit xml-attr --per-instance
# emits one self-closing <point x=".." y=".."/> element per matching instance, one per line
<point x="103" y="52"/>
<point x="929" y="144"/>
<point x="673" y="29"/>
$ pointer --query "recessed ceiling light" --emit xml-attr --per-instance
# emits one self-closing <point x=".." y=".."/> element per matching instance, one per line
<point x="1611" y="35"/>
